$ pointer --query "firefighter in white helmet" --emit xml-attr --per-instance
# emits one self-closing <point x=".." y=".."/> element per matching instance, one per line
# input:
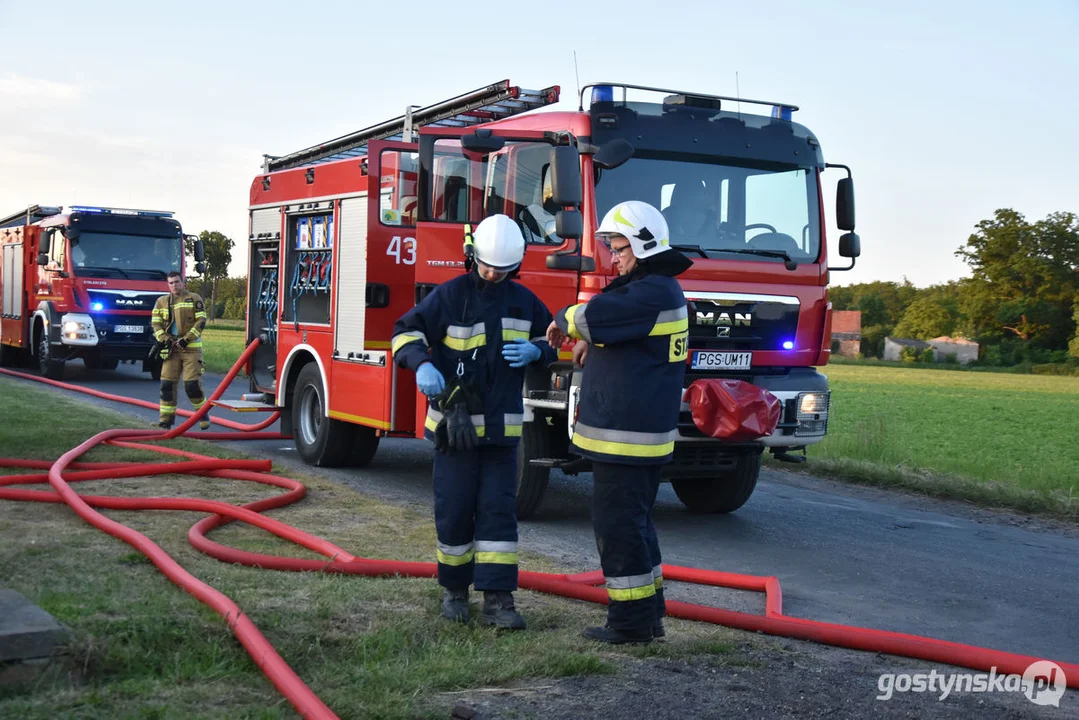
<point x="469" y="342"/>
<point x="637" y="332"/>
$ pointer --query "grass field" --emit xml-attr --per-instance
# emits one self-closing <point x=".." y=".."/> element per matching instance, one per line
<point x="368" y="647"/>
<point x="998" y="438"/>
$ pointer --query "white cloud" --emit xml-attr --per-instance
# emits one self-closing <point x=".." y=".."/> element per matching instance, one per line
<point x="22" y="90"/>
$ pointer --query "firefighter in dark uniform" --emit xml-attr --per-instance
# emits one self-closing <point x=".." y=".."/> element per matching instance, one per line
<point x="637" y="333"/>
<point x="478" y="331"/>
<point x="178" y="320"/>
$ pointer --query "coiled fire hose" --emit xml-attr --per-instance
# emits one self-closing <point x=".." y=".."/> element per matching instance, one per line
<point x="584" y="586"/>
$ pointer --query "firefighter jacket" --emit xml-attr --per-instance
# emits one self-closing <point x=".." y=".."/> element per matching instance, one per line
<point x="631" y="391"/>
<point x="460" y="327"/>
<point x="182" y="318"/>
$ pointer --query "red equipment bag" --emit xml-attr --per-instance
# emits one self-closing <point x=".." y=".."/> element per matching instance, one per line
<point x="732" y="409"/>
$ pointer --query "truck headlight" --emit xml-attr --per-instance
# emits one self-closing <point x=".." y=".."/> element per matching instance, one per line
<point x="812" y="413"/>
<point x="812" y="404"/>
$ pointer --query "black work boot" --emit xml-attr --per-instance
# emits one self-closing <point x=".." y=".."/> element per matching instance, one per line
<point x="455" y="604"/>
<point x="609" y="635"/>
<point x="498" y="610"/>
<point x="165" y="424"/>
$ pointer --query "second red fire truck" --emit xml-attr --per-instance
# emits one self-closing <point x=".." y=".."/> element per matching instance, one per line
<point x="348" y="235"/>
<point x="80" y="283"/>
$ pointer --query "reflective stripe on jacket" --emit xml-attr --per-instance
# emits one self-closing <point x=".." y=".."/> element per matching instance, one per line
<point x="631" y="390"/>
<point x="189" y="314"/>
<point x="461" y="327"/>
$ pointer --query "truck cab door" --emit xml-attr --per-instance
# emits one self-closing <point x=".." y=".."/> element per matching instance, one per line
<point x="458" y="186"/>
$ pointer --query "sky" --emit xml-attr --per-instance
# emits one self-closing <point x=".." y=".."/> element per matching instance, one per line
<point x="945" y="111"/>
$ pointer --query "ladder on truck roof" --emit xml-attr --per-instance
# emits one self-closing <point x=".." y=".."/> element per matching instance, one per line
<point x="491" y="102"/>
<point x="31" y="214"/>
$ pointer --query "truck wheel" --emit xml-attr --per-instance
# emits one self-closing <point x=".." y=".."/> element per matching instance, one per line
<point x="723" y="493"/>
<point x="363" y="446"/>
<point x="52" y="369"/>
<point x="320" y="440"/>
<point x="153" y="367"/>
<point x="532" y="481"/>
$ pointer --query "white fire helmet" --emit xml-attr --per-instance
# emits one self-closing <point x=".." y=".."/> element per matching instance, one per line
<point x="640" y="223"/>
<point x="498" y="243"/>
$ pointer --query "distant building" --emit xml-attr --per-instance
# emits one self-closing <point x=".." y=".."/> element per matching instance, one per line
<point x="965" y="351"/>
<point x="893" y="347"/>
<point x="847" y="331"/>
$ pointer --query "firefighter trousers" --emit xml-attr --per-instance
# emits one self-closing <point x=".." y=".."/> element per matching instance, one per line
<point x="185" y="365"/>
<point x="476" y="518"/>
<point x="622" y="501"/>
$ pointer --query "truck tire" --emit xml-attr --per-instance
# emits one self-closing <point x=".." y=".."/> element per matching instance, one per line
<point x="50" y="368"/>
<point x="723" y="493"/>
<point x="363" y="446"/>
<point x="319" y="440"/>
<point x="531" y="480"/>
<point x="153" y="367"/>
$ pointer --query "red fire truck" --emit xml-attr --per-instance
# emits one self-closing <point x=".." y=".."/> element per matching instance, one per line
<point x="348" y="235"/>
<point x="80" y="282"/>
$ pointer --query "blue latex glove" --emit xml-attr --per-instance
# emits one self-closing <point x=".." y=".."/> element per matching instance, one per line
<point x="430" y="380"/>
<point x="520" y="353"/>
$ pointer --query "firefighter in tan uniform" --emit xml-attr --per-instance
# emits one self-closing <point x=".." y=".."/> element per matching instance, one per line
<point x="178" y="321"/>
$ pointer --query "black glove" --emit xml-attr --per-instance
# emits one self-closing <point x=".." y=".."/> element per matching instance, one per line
<point x="442" y="441"/>
<point x="182" y="343"/>
<point x="460" y="431"/>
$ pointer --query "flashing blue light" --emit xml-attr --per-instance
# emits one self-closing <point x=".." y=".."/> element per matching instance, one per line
<point x="782" y="112"/>
<point x="97" y="306"/>
<point x="602" y="93"/>
<point x="120" y="211"/>
<point x="788" y="345"/>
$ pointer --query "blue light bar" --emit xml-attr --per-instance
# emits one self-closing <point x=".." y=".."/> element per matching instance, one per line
<point x="602" y="93"/>
<point x="782" y="112"/>
<point x="788" y="345"/>
<point x="120" y="211"/>
<point x="97" y="306"/>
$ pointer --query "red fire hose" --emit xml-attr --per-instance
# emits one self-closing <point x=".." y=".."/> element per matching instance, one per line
<point x="584" y="586"/>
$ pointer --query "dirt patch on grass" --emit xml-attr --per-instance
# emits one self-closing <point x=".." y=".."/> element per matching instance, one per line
<point x="781" y="679"/>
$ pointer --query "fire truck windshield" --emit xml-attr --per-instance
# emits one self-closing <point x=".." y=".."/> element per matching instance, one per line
<point x="720" y="207"/>
<point x="104" y="255"/>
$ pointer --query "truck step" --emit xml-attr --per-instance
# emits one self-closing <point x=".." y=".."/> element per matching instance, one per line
<point x="244" y="406"/>
<point x="575" y="464"/>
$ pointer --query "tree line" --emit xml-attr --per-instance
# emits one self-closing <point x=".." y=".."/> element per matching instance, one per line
<point x="1021" y="302"/>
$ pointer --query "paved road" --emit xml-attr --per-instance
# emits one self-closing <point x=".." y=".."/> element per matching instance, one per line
<point x="842" y="554"/>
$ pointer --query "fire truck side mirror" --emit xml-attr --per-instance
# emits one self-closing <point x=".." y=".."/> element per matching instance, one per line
<point x="200" y="268"/>
<point x="44" y="243"/>
<point x="42" y="258"/>
<point x="569" y="224"/>
<point x="612" y="154"/>
<point x="198" y="249"/>
<point x="850" y="245"/>
<point x="566" y="176"/>
<point x="844" y="205"/>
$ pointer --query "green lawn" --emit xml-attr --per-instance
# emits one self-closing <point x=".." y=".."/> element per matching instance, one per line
<point x="1015" y="432"/>
<point x="221" y="347"/>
